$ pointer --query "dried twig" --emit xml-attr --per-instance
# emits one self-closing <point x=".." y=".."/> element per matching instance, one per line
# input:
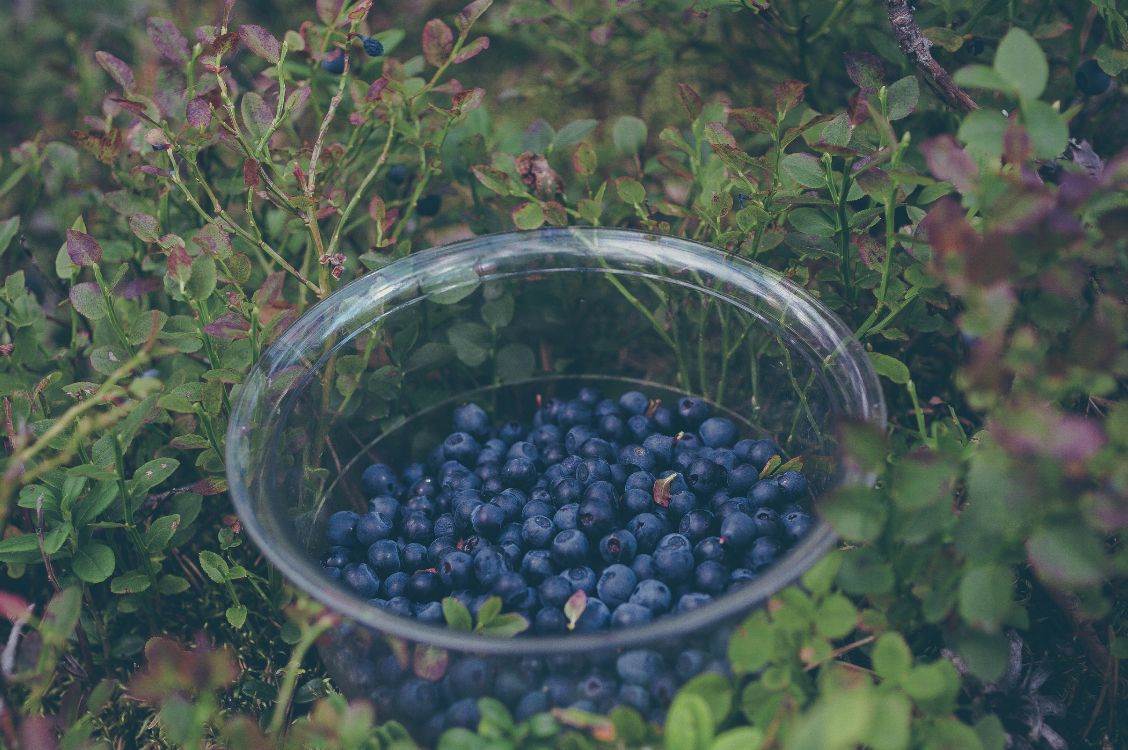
<point x="914" y="44"/>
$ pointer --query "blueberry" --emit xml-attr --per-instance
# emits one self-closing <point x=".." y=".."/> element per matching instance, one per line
<point x="709" y="548"/>
<point x="444" y="525"/>
<point x="430" y="612"/>
<point x="726" y="458"/>
<point x="640" y="480"/>
<point x="647" y="529"/>
<point x="663" y="688"/>
<point x="681" y="503"/>
<point x="512" y="553"/>
<point x="639" y="427"/>
<point x="673" y="558"/>
<point x="332" y="572"/>
<point x="463" y="713"/>
<point x="554" y="591"/>
<point x="589" y="395"/>
<point x="637" y="501"/>
<point x="508" y="586"/>
<point x="704" y="476"/>
<point x="634" y="402"/>
<point x="718" y="432"/>
<point x="394" y="585"/>
<point x="573" y="413"/>
<point x="595" y="517"/>
<point x="429" y="205"/>
<point x="761" y="554"/>
<point x="796" y="525"/>
<point x="372" y="527"/>
<point x="733" y="505"/>
<point x="576" y="437"/>
<point x="759" y="452"/>
<point x="596" y="616"/>
<point x="593" y="470"/>
<point x="538" y="532"/>
<point x="643" y="567"/>
<point x="385" y="505"/>
<point x="338" y="557"/>
<point x="597" y="447"/>
<point x="488" y="565"/>
<point x="602" y="491"/>
<point x="595" y="687"/>
<point x="634" y="696"/>
<point x="424" y="586"/>
<point x="384" y="556"/>
<point x="611" y="427"/>
<point x="416" y="527"/>
<point x="569" y="547"/>
<point x="519" y="472"/>
<point x="361" y="579"/>
<point x="618" y="546"/>
<point x="463" y="505"/>
<point x="565" y="516"/>
<point x="690" y="663"/>
<point x="530" y="449"/>
<point x="742" y="477"/>
<point x="530" y="705"/>
<point x="549" y="620"/>
<point x="652" y="594"/>
<point x="511" y="432"/>
<point x="767" y="522"/>
<point x="638" y="667"/>
<point x="456" y="569"/>
<point x="416" y="699"/>
<point x="696" y="525"/>
<point x="340" y="528"/>
<point x="582" y="578"/>
<point x="739" y="576"/>
<point x="420" y="503"/>
<point x="1090" y="79"/>
<point x="693" y="411"/>
<point x="792" y="484"/>
<point x="553" y="454"/>
<point x="765" y="492"/>
<point x="537" y="565"/>
<point x="399" y="605"/>
<point x="487" y="520"/>
<point x="559" y="689"/>
<point x="738" y="530"/>
<point x="511" y="501"/>
<point x="380" y="479"/>
<point x="691" y="601"/>
<point x="710" y="577"/>
<point x="662" y="446"/>
<point x="472" y="419"/>
<point x="567" y="490"/>
<point x="616" y="584"/>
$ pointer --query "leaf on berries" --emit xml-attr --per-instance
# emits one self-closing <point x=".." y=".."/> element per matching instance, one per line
<point x="773" y="463"/>
<point x="574" y="607"/>
<point x="691" y="100"/>
<point x="865" y="70"/>
<point x="429" y="662"/>
<point x="456" y="614"/>
<point x="661" y="492"/>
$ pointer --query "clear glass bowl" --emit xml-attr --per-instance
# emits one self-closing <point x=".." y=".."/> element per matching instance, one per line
<point x="373" y="372"/>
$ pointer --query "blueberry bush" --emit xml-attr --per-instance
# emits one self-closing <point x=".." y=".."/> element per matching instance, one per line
<point x="181" y="181"/>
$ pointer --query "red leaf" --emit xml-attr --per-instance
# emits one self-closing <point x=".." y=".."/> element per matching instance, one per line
<point x="690" y="99"/>
<point x="168" y="40"/>
<point x="117" y="69"/>
<point x="472" y="13"/>
<point x="250" y="173"/>
<point x="209" y="486"/>
<point x="481" y="44"/>
<point x="575" y="606"/>
<point x="223" y="44"/>
<point x="137" y="287"/>
<point x="229" y="326"/>
<point x="83" y="249"/>
<point x="179" y="265"/>
<point x="468" y="101"/>
<point x="261" y="42"/>
<point x="198" y="113"/>
<point x="214" y="240"/>
<point x="269" y="291"/>
<point x="438" y="41"/>
<point x="947" y="229"/>
<point x="865" y="70"/>
<point x="376" y="90"/>
<point x="13" y="606"/>
<point x="948" y="161"/>
<point x="360" y="10"/>
<point x="788" y="95"/>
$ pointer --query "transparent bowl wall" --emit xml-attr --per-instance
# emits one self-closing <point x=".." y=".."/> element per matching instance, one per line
<point x="372" y="373"/>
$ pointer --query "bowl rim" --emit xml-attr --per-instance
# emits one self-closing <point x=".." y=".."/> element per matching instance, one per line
<point x="723" y="609"/>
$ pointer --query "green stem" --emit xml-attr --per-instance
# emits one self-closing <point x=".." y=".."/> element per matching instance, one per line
<point x="115" y="323"/>
<point x="202" y="320"/>
<point x="310" y="634"/>
<point x="128" y="510"/>
<point x="335" y="239"/>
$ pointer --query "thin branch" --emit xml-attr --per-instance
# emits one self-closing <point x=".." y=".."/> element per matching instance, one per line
<point x="914" y="44"/>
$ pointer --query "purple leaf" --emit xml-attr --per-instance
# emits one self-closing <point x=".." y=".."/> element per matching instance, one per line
<point x="117" y="69"/>
<point x="788" y="95"/>
<point x="137" y="287"/>
<point x="209" y="486"/>
<point x="438" y="41"/>
<point x="198" y="113"/>
<point x="481" y="44"/>
<point x="168" y="40"/>
<point x="948" y="161"/>
<point x="865" y="70"/>
<point x="690" y="99"/>
<point x="468" y="101"/>
<point x="472" y="13"/>
<point x="214" y="240"/>
<point x="261" y="42"/>
<point x="430" y="662"/>
<point x="83" y="249"/>
<point x="144" y="227"/>
<point x="229" y="326"/>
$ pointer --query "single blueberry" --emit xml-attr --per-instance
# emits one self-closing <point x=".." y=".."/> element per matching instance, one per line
<point x="567" y="490"/>
<point x="361" y="579"/>
<point x="399" y="605"/>
<point x="638" y="457"/>
<point x="665" y="419"/>
<point x="596" y="687"/>
<point x="550" y="620"/>
<point x="463" y="713"/>
<point x="759" y="452"/>
<point x="386" y="505"/>
<point x="593" y="470"/>
<point x="647" y="529"/>
<point x="341" y="527"/>
<point x="639" y="666"/>
<point x="761" y="554"/>
<point x="640" y="480"/>
<point x="597" y="447"/>
<point x="652" y="594"/>
<point x="709" y="548"/>
<point x="569" y="547"/>
<point x="616" y="584"/>
<point x="430" y="612"/>
<point x="704" y="476"/>
<point x="416" y="699"/>
<point x="445" y="525"/>
<point x="338" y="557"/>
<point x="690" y="663"/>
<point x="596" y="517"/>
<point x="537" y="565"/>
<point x="634" y="402"/>
<point x="741" y="478"/>
<point x="611" y="427"/>
<point x="718" y="432"/>
<point x="696" y="525"/>
<point x="456" y="569"/>
<point x="384" y="556"/>
<point x="488" y="565"/>
<point x="634" y="696"/>
<point x="738" y="530"/>
<point x="472" y="419"/>
<point x="595" y="617"/>
<point x="508" y="586"/>
<point x="673" y="558"/>
<point x="726" y="458"/>
<point x="565" y="516"/>
<point x="618" y="546"/>
<point x="710" y="577"/>
<point x="643" y="567"/>
<point x="681" y="503"/>
<point x="582" y="578"/>
<point x="792" y="484"/>
<point x="519" y="472"/>
<point x="487" y="520"/>
<point x="511" y="432"/>
<point x="1091" y="80"/>
<point x="691" y="601"/>
<point x="796" y="525"/>
<point x="553" y="454"/>
<point x="530" y="705"/>
<point x="554" y="591"/>
<point x="573" y="413"/>
<point x="417" y="527"/>
<point x="372" y="527"/>
<point x="767" y="522"/>
<point x="629" y="615"/>
<point x="639" y="427"/>
<point x="332" y="572"/>
<point x="637" y="501"/>
<point x="693" y="411"/>
<point x="765" y="492"/>
<point x="739" y="576"/>
<point x="394" y="585"/>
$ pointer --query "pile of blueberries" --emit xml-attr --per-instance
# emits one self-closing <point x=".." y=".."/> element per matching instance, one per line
<point x="647" y="509"/>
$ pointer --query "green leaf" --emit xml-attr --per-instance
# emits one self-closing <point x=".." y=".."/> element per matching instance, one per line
<point x="890" y="367"/>
<point x="515" y="362"/>
<point x="741" y="738"/>
<point x="134" y="582"/>
<point x="1066" y="555"/>
<point x="471" y="342"/>
<point x="237" y="615"/>
<point x="8" y="229"/>
<point x="160" y="532"/>
<point x="630" y="190"/>
<point x="985" y="654"/>
<point x="430" y="355"/>
<point x="1021" y="63"/>
<point x="169" y="585"/>
<point x="689" y="723"/>
<point x="812" y="221"/>
<point x="529" y="215"/>
<point x="452" y="286"/>
<point x="60" y="617"/>
<point x="820" y="577"/>
<point x="572" y="133"/>
<point x="498" y="312"/>
<point x="982" y="132"/>
<point x="891" y="657"/>
<point x="202" y="281"/>
<point x="836" y="618"/>
<point x="505" y="625"/>
<point x="23" y="548"/>
<point x="458" y="738"/>
<point x="856" y="513"/>
<point x="629" y="726"/>
<point x="87" y="299"/>
<point x="493" y="179"/>
<point x="981" y="77"/>
<point x="490" y="609"/>
<point x="152" y="473"/>
<point x="1112" y="61"/>
<point x="716" y="690"/>
<point x="214" y="565"/>
<point x="889" y="724"/>
<point x="93" y="562"/>
<point x="805" y="169"/>
<point x="456" y="614"/>
<point x="1048" y="130"/>
<point x="628" y="134"/>
<point x="986" y="596"/>
<point x="933" y="686"/>
<point x="752" y="644"/>
<point x="88" y="508"/>
<point x="901" y="98"/>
